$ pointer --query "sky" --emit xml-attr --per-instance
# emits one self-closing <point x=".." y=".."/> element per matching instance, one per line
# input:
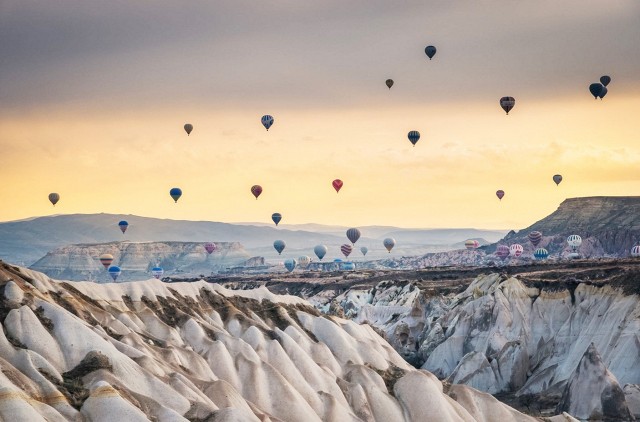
<point x="94" y="96"/>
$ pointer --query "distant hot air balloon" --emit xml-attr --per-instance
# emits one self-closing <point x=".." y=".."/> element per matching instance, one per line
<point x="210" y="247"/>
<point x="364" y="250"/>
<point x="604" y="80"/>
<point x="574" y="241"/>
<point x="175" y="193"/>
<point x="347" y="266"/>
<point x="320" y="251"/>
<point x="595" y="89"/>
<point x="389" y="243"/>
<point x="502" y="252"/>
<point x="557" y="178"/>
<point x="507" y="103"/>
<point x="276" y="217"/>
<point x="54" y="198"/>
<point x="516" y="250"/>
<point x="256" y="190"/>
<point x="635" y="251"/>
<point x="414" y="137"/>
<point x="337" y="184"/>
<point x="389" y="83"/>
<point x="603" y="92"/>
<point x="346" y="249"/>
<point x="430" y="51"/>
<point x="157" y="272"/>
<point x="188" y="128"/>
<point x="123" y="226"/>
<point x="304" y="261"/>
<point x="353" y="235"/>
<point x="535" y="237"/>
<point x="290" y="264"/>
<point x="540" y="254"/>
<point x="279" y="246"/>
<point x="471" y="244"/>
<point x="267" y="121"/>
<point x="500" y="194"/>
<point x="114" y="272"/>
<point x="106" y="259"/>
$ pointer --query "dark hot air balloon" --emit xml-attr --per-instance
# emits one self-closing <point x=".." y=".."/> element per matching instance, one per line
<point x="276" y="217"/>
<point x="290" y="264"/>
<point x="413" y="136"/>
<point x="54" y="198"/>
<point x="430" y="51"/>
<point x="175" y="193"/>
<point x="210" y="247"/>
<point x="540" y="254"/>
<point x="507" y="103"/>
<point x="500" y="194"/>
<point x="279" y="246"/>
<point x="389" y="83"/>
<point x="320" y="251"/>
<point x="535" y="237"/>
<point x="603" y="92"/>
<point x="337" y="184"/>
<point x="604" y="80"/>
<point x="267" y="121"/>
<point x="123" y="226"/>
<point x="353" y="235"/>
<point x="188" y="128"/>
<point x="595" y="90"/>
<point x="557" y="178"/>
<point x="256" y="190"/>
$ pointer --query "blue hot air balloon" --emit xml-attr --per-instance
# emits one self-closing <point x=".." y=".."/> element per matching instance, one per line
<point x="347" y="266"/>
<point x="276" y="217"/>
<point x="364" y="250"/>
<point x="267" y="121"/>
<point x="175" y="193"/>
<point x="123" y="226"/>
<point x="413" y="136"/>
<point x="430" y="51"/>
<point x="541" y="254"/>
<point x="157" y="272"/>
<point x="114" y="272"/>
<point x="320" y="251"/>
<point x="604" y="80"/>
<point x="279" y="246"/>
<point x="290" y="264"/>
<point x="596" y="89"/>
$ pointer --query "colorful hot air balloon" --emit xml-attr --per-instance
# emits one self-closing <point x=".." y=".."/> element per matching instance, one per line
<point x="353" y="235"/>
<point x="557" y="178"/>
<point x="210" y="247"/>
<point x="267" y="121"/>
<point x="595" y="90"/>
<point x="364" y="250"/>
<point x="413" y="136"/>
<point x="106" y="259"/>
<point x="276" y="217"/>
<point x="54" y="198"/>
<point x="114" y="272"/>
<point x="320" y="251"/>
<point x="635" y="251"/>
<point x="123" y="226"/>
<point x="256" y="190"/>
<point x="500" y="194"/>
<point x="574" y="241"/>
<point x="502" y="252"/>
<point x="337" y="184"/>
<point x="188" y="128"/>
<point x="389" y="243"/>
<point x="279" y="246"/>
<point x="516" y="250"/>
<point x="346" y="249"/>
<point x="290" y="264"/>
<point x="471" y="244"/>
<point x="389" y="83"/>
<point x="540" y="254"/>
<point x="603" y="92"/>
<point x="304" y="261"/>
<point x="604" y="80"/>
<point x="507" y="103"/>
<point x="157" y="272"/>
<point x="430" y="51"/>
<point x="175" y="193"/>
<point x="535" y="237"/>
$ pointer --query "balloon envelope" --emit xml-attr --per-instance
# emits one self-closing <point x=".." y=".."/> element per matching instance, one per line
<point x="256" y="190"/>
<point x="574" y="241"/>
<point x="635" y="251"/>
<point x="603" y="92"/>
<point x="123" y="226"/>
<point x="210" y="247"/>
<point x="540" y="254"/>
<point x="290" y="264"/>
<point x="389" y="83"/>
<point x="175" y="193"/>
<point x="507" y="103"/>
<point x="502" y="252"/>
<point x="347" y="266"/>
<point x="188" y="128"/>
<point x="557" y="178"/>
<point x="279" y="246"/>
<point x="276" y="217"/>
<point x="54" y="198"/>
<point x="414" y="137"/>
<point x="346" y="249"/>
<point x="320" y="251"/>
<point x="471" y="244"/>
<point x="535" y="237"/>
<point x="267" y="121"/>
<point x="337" y="184"/>
<point x="516" y="250"/>
<point x="304" y="261"/>
<point x="595" y="89"/>
<point x="500" y="194"/>
<point x="114" y="272"/>
<point x="157" y="272"/>
<point x="364" y="250"/>
<point x="430" y="51"/>
<point x="604" y="80"/>
<point x="106" y="259"/>
<point x="389" y="243"/>
<point x="353" y="235"/>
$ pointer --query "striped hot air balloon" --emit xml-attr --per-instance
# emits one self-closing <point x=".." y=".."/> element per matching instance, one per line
<point x="353" y="235"/>
<point x="635" y="251"/>
<point x="502" y="252"/>
<point x="106" y="259"/>
<point x="516" y="250"/>
<point x="346" y="249"/>
<point x="320" y="251"/>
<point x="535" y="237"/>
<point x="210" y="247"/>
<point x="574" y="241"/>
<point x="267" y="121"/>
<point x="414" y="137"/>
<point x="507" y="103"/>
<point x="157" y="272"/>
<point x="304" y="261"/>
<point x="471" y="244"/>
<point x="541" y="254"/>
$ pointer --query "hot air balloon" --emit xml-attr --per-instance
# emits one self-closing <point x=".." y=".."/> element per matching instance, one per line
<point x="347" y="266"/>
<point x="364" y="250"/>
<point x="346" y="249"/>
<point x="304" y="261"/>
<point x="157" y="272"/>
<point x="114" y="272"/>
<point x="54" y="198"/>
<point x="635" y="251"/>
<point x="430" y="51"/>
<point x="353" y="235"/>
<point x="290" y="264"/>
<point x="574" y="241"/>
<point x="267" y="121"/>
<point x="279" y="246"/>
<point x="276" y="217"/>
<point x="210" y="247"/>
<point x="595" y="90"/>
<point x="471" y="244"/>
<point x="507" y="103"/>
<point x="188" y="128"/>
<point x="175" y="193"/>
<point x="500" y="194"/>
<point x="540" y="254"/>
<point x="414" y="137"/>
<point x="502" y="252"/>
<point x="337" y="184"/>
<point x="604" y="80"/>
<point x="389" y="83"/>
<point x="256" y="190"/>
<point x="603" y="92"/>
<point x="106" y="259"/>
<point x="320" y="251"/>
<point x="389" y="243"/>
<point x="516" y="250"/>
<point x="535" y="237"/>
<point x="557" y="178"/>
<point x="123" y="226"/>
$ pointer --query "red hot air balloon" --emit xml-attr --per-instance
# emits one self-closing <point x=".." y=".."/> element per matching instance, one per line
<point x="346" y="249"/>
<point x="210" y="247"/>
<point x="337" y="184"/>
<point x="500" y="194"/>
<point x="502" y="252"/>
<point x="256" y="190"/>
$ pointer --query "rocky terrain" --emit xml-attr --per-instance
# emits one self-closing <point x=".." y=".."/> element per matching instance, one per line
<point x="197" y="351"/>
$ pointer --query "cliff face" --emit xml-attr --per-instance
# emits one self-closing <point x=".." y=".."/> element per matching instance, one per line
<point x="80" y="262"/>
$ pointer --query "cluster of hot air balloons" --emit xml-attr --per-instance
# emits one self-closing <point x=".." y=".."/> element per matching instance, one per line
<point x="599" y="89"/>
